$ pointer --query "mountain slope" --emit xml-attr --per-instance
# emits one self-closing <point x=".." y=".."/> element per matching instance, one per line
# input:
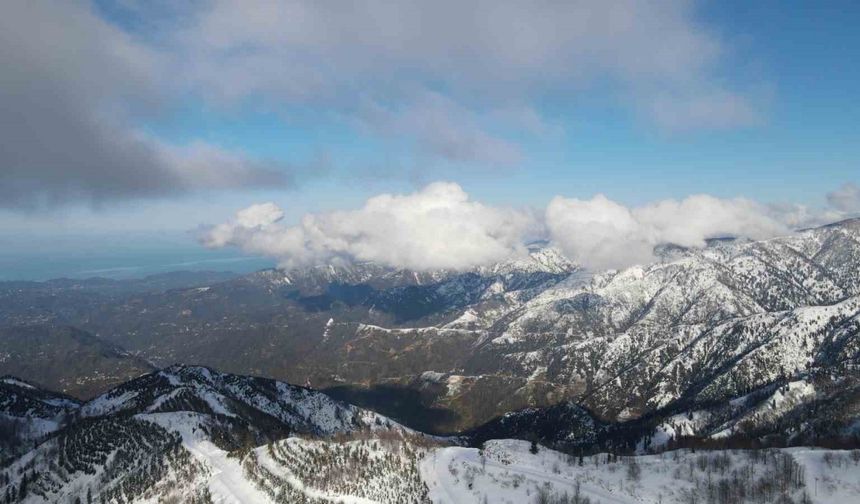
<point x="65" y="359"/>
<point x="167" y="435"/>
<point x="191" y="434"/>
<point x="28" y="413"/>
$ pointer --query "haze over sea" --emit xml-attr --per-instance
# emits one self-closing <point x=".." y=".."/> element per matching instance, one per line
<point x="116" y="257"/>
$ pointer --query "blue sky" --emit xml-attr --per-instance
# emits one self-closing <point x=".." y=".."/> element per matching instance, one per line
<point x="318" y="109"/>
<point x="800" y="54"/>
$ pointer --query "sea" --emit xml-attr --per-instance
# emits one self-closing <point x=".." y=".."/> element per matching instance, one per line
<point x="116" y="256"/>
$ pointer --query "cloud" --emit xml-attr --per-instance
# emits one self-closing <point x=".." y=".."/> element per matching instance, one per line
<point x="512" y="45"/>
<point x="604" y="234"/>
<point x="81" y="79"/>
<point x="846" y="198"/>
<point x="435" y="90"/>
<point x="797" y="216"/>
<point x="436" y="227"/>
<point x="601" y="233"/>
<point x="443" y="128"/>
<point x="439" y="226"/>
<point x="710" y="109"/>
<point x="71" y="89"/>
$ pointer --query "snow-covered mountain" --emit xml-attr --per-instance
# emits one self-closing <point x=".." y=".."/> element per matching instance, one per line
<point x="162" y="435"/>
<point x="187" y="434"/>
<point x="448" y="351"/>
<point x="704" y="325"/>
<point x="699" y="326"/>
<point x="29" y="414"/>
<point x="244" y="400"/>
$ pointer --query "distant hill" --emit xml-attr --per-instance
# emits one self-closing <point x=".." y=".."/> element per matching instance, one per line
<point x="65" y="359"/>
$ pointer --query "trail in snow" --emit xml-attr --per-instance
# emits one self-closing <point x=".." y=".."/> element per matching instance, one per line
<point x="227" y="483"/>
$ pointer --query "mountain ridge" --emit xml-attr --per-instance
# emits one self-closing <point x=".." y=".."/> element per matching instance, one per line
<point x="698" y="324"/>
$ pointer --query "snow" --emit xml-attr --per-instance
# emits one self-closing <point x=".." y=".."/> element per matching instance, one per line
<point x="454" y="385"/>
<point x="18" y="383"/>
<point x="433" y="376"/>
<point x="227" y="481"/>
<point x="106" y="404"/>
<point x="834" y="482"/>
<point x="506" y="472"/>
<point x="35" y="427"/>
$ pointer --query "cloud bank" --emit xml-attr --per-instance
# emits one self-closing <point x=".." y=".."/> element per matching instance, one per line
<point x="439" y="226"/>
<point x="436" y="227"/>
<point x="604" y="234"/>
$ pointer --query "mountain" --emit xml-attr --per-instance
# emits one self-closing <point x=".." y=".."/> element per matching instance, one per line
<point x="294" y="325"/>
<point x="448" y="351"/>
<point x="705" y="325"/>
<point x="818" y="409"/>
<point x="166" y="435"/>
<point x="65" y="359"/>
<point x="28" y="414"/>
<point x="192" y="434"/>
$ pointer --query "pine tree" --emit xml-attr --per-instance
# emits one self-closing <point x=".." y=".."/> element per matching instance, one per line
<point x="22" y="490"/>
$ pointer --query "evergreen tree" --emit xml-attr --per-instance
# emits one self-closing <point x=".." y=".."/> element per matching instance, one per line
<point x="22" y="490"/>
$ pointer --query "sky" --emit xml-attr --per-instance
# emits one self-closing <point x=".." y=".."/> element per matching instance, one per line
<point x="417" y="134"/>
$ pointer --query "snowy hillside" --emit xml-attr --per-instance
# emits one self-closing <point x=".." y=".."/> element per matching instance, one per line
<point x="244" y="399"/>
<point x="191" y="434"/>
<point x="507" y="472"/>
<point x="164" y="435"/>
<point x="28" y="413"/>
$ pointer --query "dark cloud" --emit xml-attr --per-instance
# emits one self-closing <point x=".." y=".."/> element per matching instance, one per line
<point x="70" y="86"/>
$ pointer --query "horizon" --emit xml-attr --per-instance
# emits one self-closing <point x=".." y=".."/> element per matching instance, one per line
<point x="131" y="265"/>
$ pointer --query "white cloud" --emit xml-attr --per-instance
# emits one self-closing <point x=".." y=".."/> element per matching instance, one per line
<point x="604" y="234"/>
<point x="701" y="108"/>
<point x="439" y="226"/>
<point x="448" y="80"/>
<point x="511" y="45"/>
<point x="599" y="232"/>
<point x="436" y="227"/>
